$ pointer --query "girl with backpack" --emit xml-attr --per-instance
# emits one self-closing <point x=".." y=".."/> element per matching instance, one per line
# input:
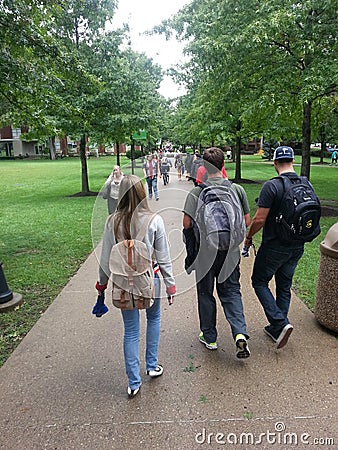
<point x="132" y="216"/>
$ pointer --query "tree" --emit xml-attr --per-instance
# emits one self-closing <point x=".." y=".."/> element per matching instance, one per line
<point x="273" y="55"/>
<point x="325" y="119"/>
<point x="302" y="49"/>
<point x="33" y="61"/>
<point x="69" y="76"/>
<point x="128" y="100"/>
<point x="80" y="22"/>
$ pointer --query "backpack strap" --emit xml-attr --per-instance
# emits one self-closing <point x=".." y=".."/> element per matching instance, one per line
<point x="129" y="244"/>
<point x="291" y="178"/>
<point x="288" y="181"/>
<point x="204" y="185"/>
<point x="227" y="183"/>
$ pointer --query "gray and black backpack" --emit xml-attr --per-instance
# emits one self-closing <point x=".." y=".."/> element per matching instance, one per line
<point x="219" y="220"/>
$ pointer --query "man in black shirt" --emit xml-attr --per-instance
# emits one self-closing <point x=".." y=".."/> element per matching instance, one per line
<point x="274" y="258"/>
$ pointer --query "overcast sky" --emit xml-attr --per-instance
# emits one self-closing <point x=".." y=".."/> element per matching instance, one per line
<point x="143" y="15"/>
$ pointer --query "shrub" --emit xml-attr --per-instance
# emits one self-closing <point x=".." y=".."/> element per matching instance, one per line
<point x="138" y="154"/>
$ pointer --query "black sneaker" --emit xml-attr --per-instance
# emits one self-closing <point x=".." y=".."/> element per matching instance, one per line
<point x="271" y="332"/>
<point x="284" y="335"/>
<point x="157" y="372"/>
<point x="242" y="349"/>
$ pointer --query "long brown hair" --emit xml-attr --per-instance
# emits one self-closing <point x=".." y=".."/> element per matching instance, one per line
<point x="132" y="201"/>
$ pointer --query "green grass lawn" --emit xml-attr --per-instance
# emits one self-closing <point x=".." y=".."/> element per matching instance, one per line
<point x="45" y="234"/>
<point x="46" y="231"/>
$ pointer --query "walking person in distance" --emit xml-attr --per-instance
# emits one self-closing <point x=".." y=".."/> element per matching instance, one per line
<point x="179" y="166"/>
<point x="165" y="165"/>
<point x="150" y="171"/>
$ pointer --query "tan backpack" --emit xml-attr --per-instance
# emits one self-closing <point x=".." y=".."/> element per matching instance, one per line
<point x="132" y="273"/>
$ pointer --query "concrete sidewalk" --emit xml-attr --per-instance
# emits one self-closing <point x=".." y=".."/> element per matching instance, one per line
<point x="64" y="387"/>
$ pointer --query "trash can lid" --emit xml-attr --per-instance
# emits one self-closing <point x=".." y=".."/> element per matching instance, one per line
<point x="330" y="244"/>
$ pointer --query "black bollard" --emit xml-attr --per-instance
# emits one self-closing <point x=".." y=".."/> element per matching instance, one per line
<point x="8" y="299"/>
<point x="5" y="293"/>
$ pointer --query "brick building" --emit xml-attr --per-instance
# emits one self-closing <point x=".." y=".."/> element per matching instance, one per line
<point x="12" y="146"/>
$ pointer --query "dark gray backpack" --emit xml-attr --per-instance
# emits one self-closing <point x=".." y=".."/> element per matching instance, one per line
<point x="220" y="219"/>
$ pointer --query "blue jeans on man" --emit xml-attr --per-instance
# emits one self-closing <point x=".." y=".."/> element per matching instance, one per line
<point x="275" y="260"/>
<point x="152" y="186"/>
<point x="230" y="297"/>
<point x="131" y="319"/>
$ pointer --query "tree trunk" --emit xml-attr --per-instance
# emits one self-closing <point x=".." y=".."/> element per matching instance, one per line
<point x="142" y="153"/>
<point x="52" y="148"/>
<point x="306" y="144"/>
<point x="322" y="143"/>
<point x="132" y="155"/>
<point x="118" y="162"/>
<point x="85" y="184"/>
<point x="238" y="175"/>
<point x="63" y="146"/>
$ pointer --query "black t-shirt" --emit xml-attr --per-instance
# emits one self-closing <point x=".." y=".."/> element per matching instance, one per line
<point x="271" y="197"/>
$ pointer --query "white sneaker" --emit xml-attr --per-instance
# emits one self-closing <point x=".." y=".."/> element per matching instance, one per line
<point x="133" y="392"/>
<point x="157" y="372"/>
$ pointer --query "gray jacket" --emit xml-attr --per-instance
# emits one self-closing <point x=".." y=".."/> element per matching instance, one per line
<point x="110" y="192"/>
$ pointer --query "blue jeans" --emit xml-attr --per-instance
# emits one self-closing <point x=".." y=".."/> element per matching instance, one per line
<point x="131" y="319"/>
<point x="280" y="262"/>
<point x="152" y="186"/>
<point x="230" y="296"/>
